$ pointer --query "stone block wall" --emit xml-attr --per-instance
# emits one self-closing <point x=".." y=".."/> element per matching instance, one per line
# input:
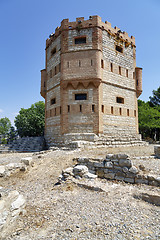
<point x="118" y="167"/>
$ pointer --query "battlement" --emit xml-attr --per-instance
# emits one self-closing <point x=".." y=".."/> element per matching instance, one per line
<point x="93" y="21"/>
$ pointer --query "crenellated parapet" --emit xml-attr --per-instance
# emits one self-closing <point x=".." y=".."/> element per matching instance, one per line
<point x="93" y="21"/>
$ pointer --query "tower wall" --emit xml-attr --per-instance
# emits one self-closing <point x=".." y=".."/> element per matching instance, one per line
<point x="90" y="60"/>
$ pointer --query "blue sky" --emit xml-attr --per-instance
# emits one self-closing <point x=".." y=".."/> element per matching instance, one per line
<point x="25" y="25"/>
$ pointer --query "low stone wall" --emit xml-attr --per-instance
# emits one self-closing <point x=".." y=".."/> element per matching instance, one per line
<point x="118" y="167"/>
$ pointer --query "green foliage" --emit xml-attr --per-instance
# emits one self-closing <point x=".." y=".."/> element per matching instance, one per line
<point x="12" y="134"/>
<point x="3" y="141"/>
<point x="149" y="119"/>
<point x="5" y="126"/>
<point x="155" y="100"/>
<point x="30" y="122"/>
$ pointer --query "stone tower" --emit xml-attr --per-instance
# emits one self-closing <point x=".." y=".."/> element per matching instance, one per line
<point x="91" y="84"/>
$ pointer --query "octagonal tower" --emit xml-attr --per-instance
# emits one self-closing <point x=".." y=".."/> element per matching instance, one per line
<point x="91" y="83"/>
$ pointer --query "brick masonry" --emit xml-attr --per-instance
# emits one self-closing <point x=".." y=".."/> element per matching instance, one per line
<point x="90" y="57"/>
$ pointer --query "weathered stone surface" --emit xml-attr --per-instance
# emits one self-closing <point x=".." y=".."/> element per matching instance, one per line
<point x="90" y="175"/>
<point x="109" y="175"/>
<point x="109" y="165"/>
<point x="125" y="163"/>
<point x="68" y="171"/>
<point x="19" y="202"/>
<point x="133" y="170"/>
<point x="129" y="180"/>
<point x="27" y="161"/>
<point x="157" y="150"/>
<point x="154" y="199"/>
<point x="80" y="170"/>
<point x="100" y="173"/>
<point x="2" y="171"/>
<point x="125" y="169"/>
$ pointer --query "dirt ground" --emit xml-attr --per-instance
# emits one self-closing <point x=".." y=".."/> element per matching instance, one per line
<point x="70" y="212"/>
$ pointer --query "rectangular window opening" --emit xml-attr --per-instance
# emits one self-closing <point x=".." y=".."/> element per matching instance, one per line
<point x="135" y="113"/>
<point x="53" y="101"/>
<point x="120" y="100"/>
<point x="80" y="108"/>
<point x="127" y="73"/>
<point x="81" y="96"/>
<point x="79" y="63"/>
<point x="120" y="111"/>
<point x="102" y="63"/>
<point x="93" y="108"/>
<point x="119" y="70"/>
<point x="68" y="108"/>
<point x="128" y="112"/>
<point x="67" y="64"/>
<point x="133" y="75"/>
<point x="119" y="49"/>
<point x="103" y="108"/>
<point x="53" y="51"/>
<point x="111" y="67"/>
<point x="80" y="40"/>
<point x="111" y="110"/>
<point x="91" y="62"/>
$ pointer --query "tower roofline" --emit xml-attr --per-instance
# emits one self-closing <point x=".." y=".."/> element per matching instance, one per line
<point x="93" y="21"/>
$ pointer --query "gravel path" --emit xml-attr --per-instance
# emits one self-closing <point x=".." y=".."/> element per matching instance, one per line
<point x="69" y="212"/>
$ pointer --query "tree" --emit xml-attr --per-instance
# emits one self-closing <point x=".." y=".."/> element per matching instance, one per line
<point x="5" y="126"/>
<point x="155" y="100"/>
<point x="12" y="134"/>
<point x="149" y="120"/>
<point x="30" y="122"/>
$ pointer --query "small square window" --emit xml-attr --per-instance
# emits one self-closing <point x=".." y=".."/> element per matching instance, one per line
<point x="53" y="101"/>
<point x="53" y="51"/>
<point x="120" y="100"/>
<point x="81" y="96"/>
<point x="80" y="40"/>
<point x="119" y="49"/>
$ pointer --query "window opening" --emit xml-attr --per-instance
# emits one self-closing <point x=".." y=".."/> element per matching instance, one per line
<point x="91" y="62"/>
<point x="53" y="51"/>
<point x="103" y="108"/>
<point x="120" y="100"/>
<point x="81" y="96"/>
<point x="111" y="110"/>
<point x="80" y="108"/>
<point x="68" y="108"/>
<point x="102" y="63"/>
<point x="79" y="63"/>
<point x="137" y="82"/>
<point x="67" y="64"/>
<point x="53" y="101"/>
<point x="80" y="40"/>
<point x="126" y="72"/>
<point x="127" y="112"/>
<point x="93" y="108"/>
<point x="120" y="111"/>
<point x="111" y="67"/>
<point x="119" y="49"/>
<point x="135" y="113"/>
<point x="119" y="70"/>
